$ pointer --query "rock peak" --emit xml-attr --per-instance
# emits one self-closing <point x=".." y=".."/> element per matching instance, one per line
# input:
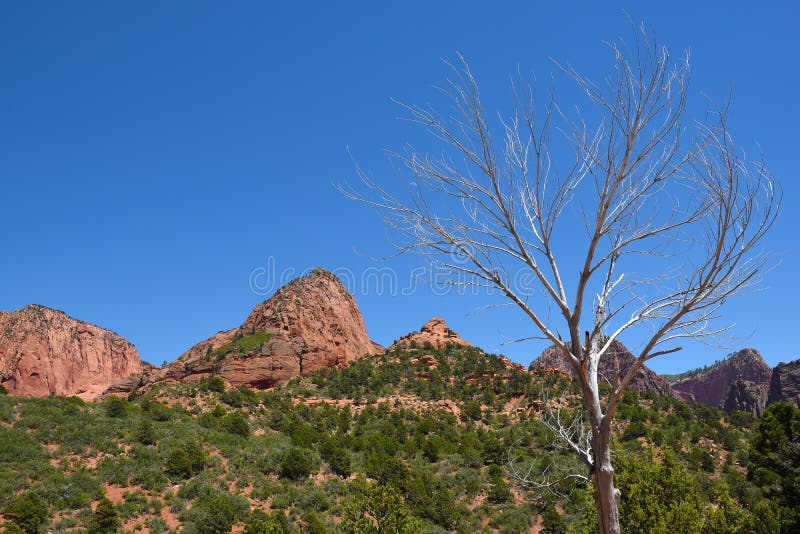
<point x="310" y="323"/>
<point x="435" y="332"/>
<point x="46" y="352"/>
<point x="712" y="385"/>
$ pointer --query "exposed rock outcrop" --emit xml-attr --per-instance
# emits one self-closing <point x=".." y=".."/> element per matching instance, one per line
<point x="310" y="323"/>
<point x="434" y="333"/>
<point x="615" y="362"/>
<point x="45" y="352"/>
<point x="785" y="383"/>
<point x="746" y="396"/>
<point x="710" y="386"/>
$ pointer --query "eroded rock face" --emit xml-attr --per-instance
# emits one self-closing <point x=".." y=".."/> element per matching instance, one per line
<point x="434" y="333"/>
<point x="311" y="323"/>
<point x="45" y="352"/>
<point x="615" y="362"/>
<point x="711" y="386"/>
<point x="785" y="383"/>
<point x="746" y="396"/>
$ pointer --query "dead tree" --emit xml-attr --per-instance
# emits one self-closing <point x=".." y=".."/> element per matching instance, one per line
<point x="670" y="216"/>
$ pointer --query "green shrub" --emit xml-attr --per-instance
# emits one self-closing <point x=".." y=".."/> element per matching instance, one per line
<point x="28" y="511"/>
<point x="12" y="528"/>
<point x="116" y="407"/>
<point x="214" y="383"/>
<point x="296" y="464"/>
<point x="261" y="523"/>
<point x="216" y="513"/>
<point x="339" y="462"/>
<point x="235" y="423"/>
<point x="146" y="432"/>
<point x="377" y="508"/>
<point x="104" y="519"/>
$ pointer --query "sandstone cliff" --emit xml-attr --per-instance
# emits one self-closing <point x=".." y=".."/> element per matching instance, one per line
<point x="45" y="352"/>
<point x="310" y="323"/>
<point x="615" y="362"/>
<point x="785" y="383"/>
<point x="710" y="386"/>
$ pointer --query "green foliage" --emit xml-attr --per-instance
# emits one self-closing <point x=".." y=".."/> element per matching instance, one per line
<point x="146" y="432"/>
<point x="12" y="528"/>
<point x="184" y="459"/>
<point x="116" y="407"/>
<point x="429" y="466"/>
<point x="216" y="512"/>
<point x="214" y="383"/>
<point x="376" y="509"/>
<point x="774" y="465"/>
<point x="105" y="519"/>
<point x="552" y="522"/>
<point x="28" y="511"/>
<point x="296" y="464"/>
<point x="235" y="423"/>
<point x="243" y="344"/>
<point x="261" y="523"/>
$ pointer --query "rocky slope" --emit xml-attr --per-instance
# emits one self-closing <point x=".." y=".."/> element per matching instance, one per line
<point x="45" y="352"/>
<point x="616" y="361"/>
<point x="434" y="333"/>
<point x="711" y="385"/>
<point x="310" y="323"/>
<point x="784" y="384"/>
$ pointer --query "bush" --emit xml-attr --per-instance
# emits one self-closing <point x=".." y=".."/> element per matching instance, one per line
<point x="185" y="459"/>
<point x="28" y="511"/>
<point x="214" y="383"/>
<point x="104" y="519"/>
<point x="235" y="423"/>
<point x="216" y="513"/>
<point x="339" y="462"/>
<point x="296" y="464"/>
<point x="116" y="407"/>
<point x="146" y="432"/>
<point x="261" y="523"/>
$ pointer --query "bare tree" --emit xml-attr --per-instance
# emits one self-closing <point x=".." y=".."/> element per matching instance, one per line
<point x="669" y="213"/>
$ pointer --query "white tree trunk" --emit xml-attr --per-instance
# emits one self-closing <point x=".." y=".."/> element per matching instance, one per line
<point x="606" y="496"/>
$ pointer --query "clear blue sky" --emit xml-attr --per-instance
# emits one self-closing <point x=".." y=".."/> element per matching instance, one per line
<point x="155" y="155"/>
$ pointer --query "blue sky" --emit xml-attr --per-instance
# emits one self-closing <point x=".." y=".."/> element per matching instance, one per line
<point x="157" y="158"/>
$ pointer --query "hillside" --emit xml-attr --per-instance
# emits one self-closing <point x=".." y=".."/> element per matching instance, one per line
<point x="416" y="436"/>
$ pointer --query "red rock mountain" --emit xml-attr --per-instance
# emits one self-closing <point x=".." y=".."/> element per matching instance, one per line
<point x="711" y="385"/>
<point x="45" y="352"/>
<point x="435" y="333"/>
<point x="616" y="361"/>
<point x="310" y="323"/>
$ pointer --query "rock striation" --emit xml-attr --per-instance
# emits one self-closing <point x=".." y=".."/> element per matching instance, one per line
<point x="784" y="384"/>
<point x="434" y="333"/>
<point x="711" y="385"/>
<point x="615" y="362"/>
<point x="310" y="323"/>
<point x="45" y="352"/>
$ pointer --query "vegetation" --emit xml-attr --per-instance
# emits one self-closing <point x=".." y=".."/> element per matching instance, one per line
<point x="379" y="446"/>
<point x="243" y="344"/>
